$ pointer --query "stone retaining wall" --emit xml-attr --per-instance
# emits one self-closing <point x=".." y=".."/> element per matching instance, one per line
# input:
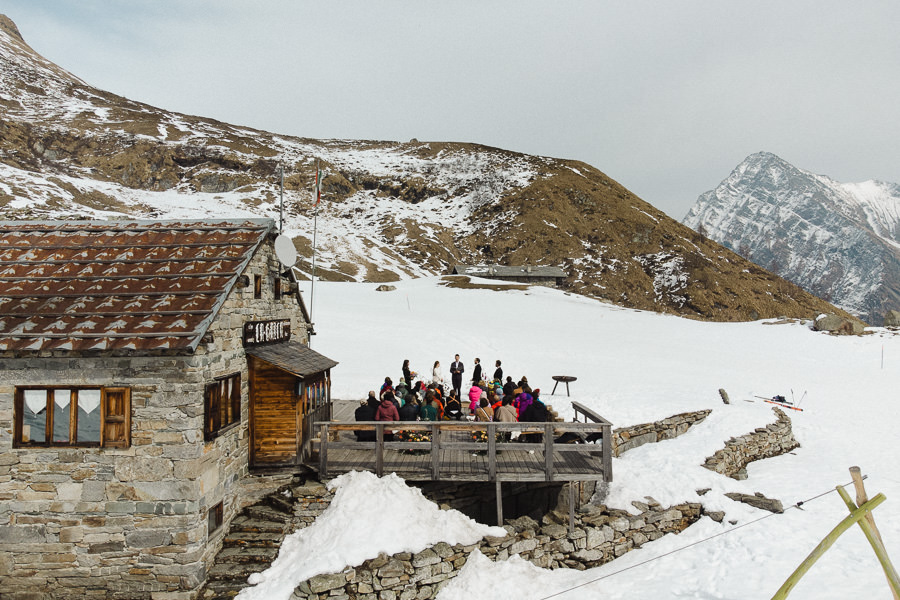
<point x="600" y="536"/>
<point x="627" y="438"/>
<point x="765" y="442"/>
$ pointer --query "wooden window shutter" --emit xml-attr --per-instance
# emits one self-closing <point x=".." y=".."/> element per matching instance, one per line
<point x="18" y="407"/>
<point x="212" y="418"/>
<point x="115" y="418"/>
<point x="235" y="398"/>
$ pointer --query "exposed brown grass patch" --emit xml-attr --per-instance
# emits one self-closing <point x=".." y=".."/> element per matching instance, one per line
<point x="463" y="282"/>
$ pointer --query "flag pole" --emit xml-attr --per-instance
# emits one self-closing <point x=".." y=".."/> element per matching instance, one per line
<point x="281" y="203"/>
<point x="312" y="287"/>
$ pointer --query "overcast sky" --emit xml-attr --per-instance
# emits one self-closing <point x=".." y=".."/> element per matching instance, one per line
<point x="666" y="97"/>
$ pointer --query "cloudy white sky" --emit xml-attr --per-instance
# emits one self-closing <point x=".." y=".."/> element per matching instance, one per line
<point x="666" y="97"/>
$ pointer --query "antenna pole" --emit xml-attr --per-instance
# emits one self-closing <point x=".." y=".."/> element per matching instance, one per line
<point x="281" y="203"/>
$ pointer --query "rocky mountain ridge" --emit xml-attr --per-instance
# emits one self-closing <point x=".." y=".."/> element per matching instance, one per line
<point x="840" y="241"/>
<point x="390" y="210"/>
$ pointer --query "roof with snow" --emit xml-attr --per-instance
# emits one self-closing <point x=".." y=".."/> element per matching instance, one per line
<point x="118" y="285"/>
<point x="500" y="271"/>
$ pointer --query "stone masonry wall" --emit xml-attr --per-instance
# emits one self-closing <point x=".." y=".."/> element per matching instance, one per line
<point x="600" y="536"/>
<point x="224" y="461"/>
<point x="765" y="442"/>
<point x="132" y="522"/>
<point x="627" y="438"/>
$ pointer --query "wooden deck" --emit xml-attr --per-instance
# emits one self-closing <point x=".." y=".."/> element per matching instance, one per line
<point x="449" y="451"/>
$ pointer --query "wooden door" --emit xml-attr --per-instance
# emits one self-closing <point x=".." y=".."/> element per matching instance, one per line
<point x="275" y="433"/>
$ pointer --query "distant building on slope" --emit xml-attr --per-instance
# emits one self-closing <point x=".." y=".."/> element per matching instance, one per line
<point x="146" y="367"/>
<point x="535" y="275"/>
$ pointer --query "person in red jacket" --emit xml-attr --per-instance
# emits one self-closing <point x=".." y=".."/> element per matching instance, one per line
<point x="387" y="411"/>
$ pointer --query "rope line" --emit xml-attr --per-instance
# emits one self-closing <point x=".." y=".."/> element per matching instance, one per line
<point x="692" y="544"/>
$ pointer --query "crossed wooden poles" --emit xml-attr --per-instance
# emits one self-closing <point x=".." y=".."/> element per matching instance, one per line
<point x="861" y="514"/>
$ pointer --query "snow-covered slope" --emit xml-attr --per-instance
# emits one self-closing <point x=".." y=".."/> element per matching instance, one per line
<point x="633" y="367"/>
<point x="390" y="210"/>
<point x="841" y="241"/>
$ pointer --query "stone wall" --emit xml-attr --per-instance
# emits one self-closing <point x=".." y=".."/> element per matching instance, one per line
<point x="765" y="442"/>
<point x="600" y="536"/>
<point x="130" y="522"/>
<point x="627" y="438"/>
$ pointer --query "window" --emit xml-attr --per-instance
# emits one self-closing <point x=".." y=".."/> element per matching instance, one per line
<point x="70" y="416"/>
<point x="257" y="287"/>
<point x="214" y="518"/>
<point x="221" y="405"/>
<point x="277" y="287"/>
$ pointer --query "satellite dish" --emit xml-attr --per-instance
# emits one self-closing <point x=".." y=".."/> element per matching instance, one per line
<point x="285" y="250"/>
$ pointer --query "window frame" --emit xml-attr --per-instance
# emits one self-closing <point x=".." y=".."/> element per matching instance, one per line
<point x="108" y="420"/>
<point x="215" y="518"/>
<point x="214" y="408"/>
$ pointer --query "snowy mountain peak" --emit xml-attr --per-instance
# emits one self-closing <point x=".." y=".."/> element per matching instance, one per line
<point x="840" y="241"/>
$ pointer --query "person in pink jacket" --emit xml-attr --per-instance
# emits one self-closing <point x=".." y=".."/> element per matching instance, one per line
<point x="474" y="396"/>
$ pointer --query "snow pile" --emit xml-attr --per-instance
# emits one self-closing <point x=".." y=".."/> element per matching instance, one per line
<point x="367" y="516"/>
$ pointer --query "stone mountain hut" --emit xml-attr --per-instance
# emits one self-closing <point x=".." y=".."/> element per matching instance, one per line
<point x="146" y="367"/>
<point x="534" y="275"/>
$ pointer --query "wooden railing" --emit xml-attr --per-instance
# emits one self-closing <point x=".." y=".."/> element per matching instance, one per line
<point x="308" y="425"/>
<point x="592" y="417"/>
<point x="598" y="431"/>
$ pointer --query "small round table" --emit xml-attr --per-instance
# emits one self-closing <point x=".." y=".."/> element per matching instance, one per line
<point x="562" y="378"/>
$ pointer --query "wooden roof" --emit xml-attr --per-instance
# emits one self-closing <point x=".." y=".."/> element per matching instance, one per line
<point x="118" y="286"/>
<point x="501" y="271"/>
<point x="292" y="357"/>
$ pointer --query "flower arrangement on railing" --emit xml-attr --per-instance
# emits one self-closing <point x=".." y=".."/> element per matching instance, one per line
<point x="415" y="436"/>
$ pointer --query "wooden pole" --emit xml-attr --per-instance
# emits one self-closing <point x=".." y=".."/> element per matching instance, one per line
<point x="492" y="450"/>
<point x="548" y="451"/>
<point x="854" y="517"/>
<point x="379" y="449"/>
<point x="862" y="497"/>
<point x="499" y="491"/>
<point x="871" y="531"/>
<point x="435" y="451"/>
<point x="323" y="450"/>
<point x="571" y="508"/>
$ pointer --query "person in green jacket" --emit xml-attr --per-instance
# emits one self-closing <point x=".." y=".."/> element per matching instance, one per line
<point x="428" y="412"/>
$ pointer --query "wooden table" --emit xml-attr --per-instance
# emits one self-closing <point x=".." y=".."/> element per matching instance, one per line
<point x="562" y="378"/>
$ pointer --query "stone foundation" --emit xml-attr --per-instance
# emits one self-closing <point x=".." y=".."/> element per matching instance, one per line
<point x="599" y="536"/>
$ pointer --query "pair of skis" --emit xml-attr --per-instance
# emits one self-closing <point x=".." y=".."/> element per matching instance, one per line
<point x="782" y="401"/>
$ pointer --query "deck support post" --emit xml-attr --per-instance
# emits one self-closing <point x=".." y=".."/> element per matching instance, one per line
<point x="379" y="449"/>
<point x="499" y="489"/>
<point x="435" y="452"/>
<point x="548" y="451"/>
<point x="572" y="508"/>
<point x="607" y="453"/>
<point x="323" y="450"/>
<point x="492" y="450"/>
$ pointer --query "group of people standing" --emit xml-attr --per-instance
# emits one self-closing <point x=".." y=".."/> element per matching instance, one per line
<point x="486" y="400"/>
<point x="457" y="368"/>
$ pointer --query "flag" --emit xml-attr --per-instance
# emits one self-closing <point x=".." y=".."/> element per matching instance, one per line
<point x="318" y="185"/>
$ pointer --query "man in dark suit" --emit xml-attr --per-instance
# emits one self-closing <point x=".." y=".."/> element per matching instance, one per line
<point x="476" y="372"/>
<point x="456" y="371"/>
